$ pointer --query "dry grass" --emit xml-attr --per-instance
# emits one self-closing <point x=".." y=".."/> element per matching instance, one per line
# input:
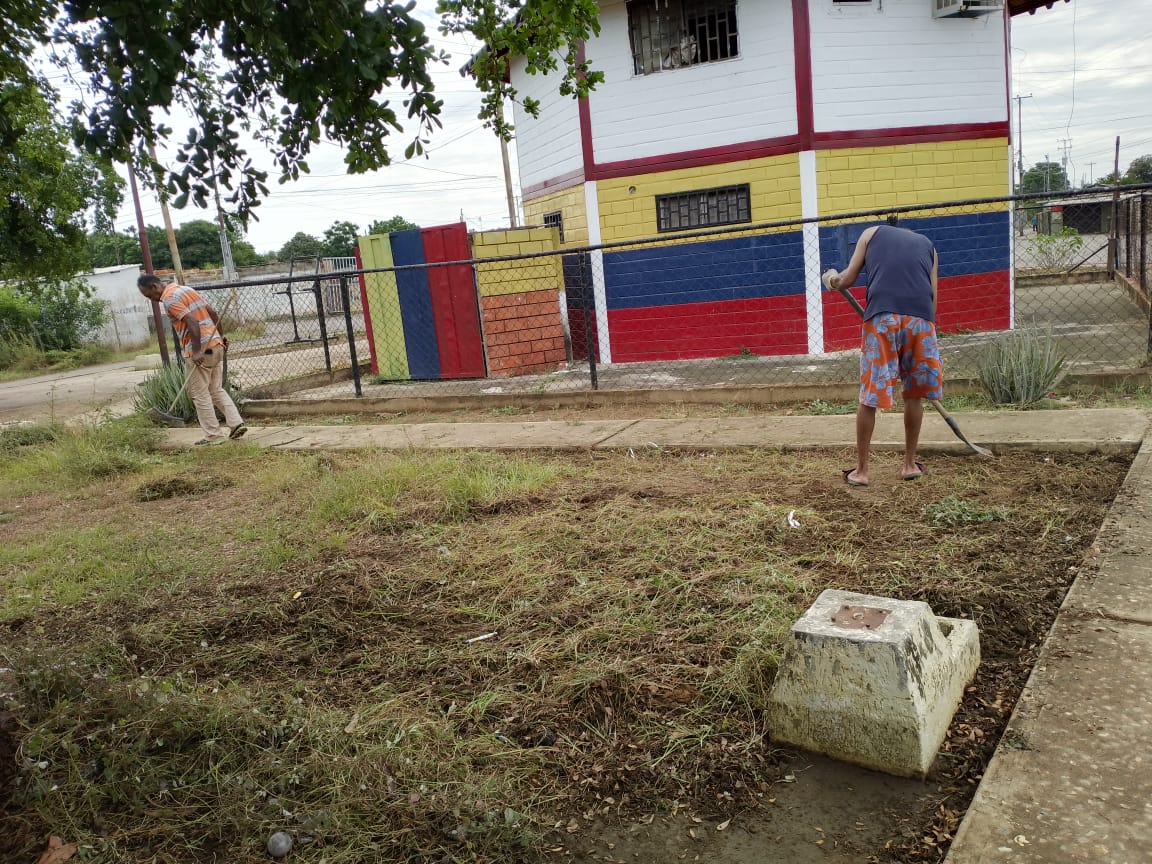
<point x="289" y="648"/>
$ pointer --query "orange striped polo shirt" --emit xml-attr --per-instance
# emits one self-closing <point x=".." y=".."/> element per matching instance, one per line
<point x="187" y="308"/>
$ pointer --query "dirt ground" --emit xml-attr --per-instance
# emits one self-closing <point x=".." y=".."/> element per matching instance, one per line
<point x="618" y="702"/>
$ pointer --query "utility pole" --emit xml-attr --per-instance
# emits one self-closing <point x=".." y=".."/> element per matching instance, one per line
<point x="172" y="247"/>
<point x="507" y="178"/>
<point x="1020" y="137"/>
<point x="1091" y="175"/>
<point x="1047" y="171"/>
<point x="146" y="254"/>
<point x="1066" y="146"/>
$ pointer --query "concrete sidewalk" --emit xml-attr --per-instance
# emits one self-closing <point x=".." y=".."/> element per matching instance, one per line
<point x="1071" y="781"/>
<point x="1091" y="430"/>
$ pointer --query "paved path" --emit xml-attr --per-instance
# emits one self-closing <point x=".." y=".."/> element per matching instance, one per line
<point x="71" y="395"/>
<point x="1096" y="430"/>
<point x="1072" y="780"/>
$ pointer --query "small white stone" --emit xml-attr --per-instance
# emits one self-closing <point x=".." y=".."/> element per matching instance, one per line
<point x="279" y="844"/>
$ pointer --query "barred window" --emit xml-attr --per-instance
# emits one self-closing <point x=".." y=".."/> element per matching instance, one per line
<point x="707" y="207"/>
<point x="669" y="34"/>
<point x="555" y="220"/>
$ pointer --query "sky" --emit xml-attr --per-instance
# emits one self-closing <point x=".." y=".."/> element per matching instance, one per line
<point x="1087" y="69"/>
<point x="1083" y="67"/>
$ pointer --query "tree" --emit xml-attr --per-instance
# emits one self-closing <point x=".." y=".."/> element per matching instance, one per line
<point x="301" y="246"/>
<point x="1140" y="171"/>
<point x="199" y="243"/>
<point x="47" y="189"/>
<point x="291" y="73"/>
<point x="1045" y="177"/>
<point x="112" y="248"/>
<point x="387" y="226"/>
<point x="340" y="239"/>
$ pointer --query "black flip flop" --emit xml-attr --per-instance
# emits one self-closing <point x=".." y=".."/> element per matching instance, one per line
<point x="847" y="479"/>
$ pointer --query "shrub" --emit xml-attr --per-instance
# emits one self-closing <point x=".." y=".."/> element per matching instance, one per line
<point x="159" y="391"/>
<point x="1058" y="251"/>
<point x="1021" y="368"/>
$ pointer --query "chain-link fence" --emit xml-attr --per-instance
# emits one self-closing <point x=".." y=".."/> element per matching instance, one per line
<point x="443" y="312"/>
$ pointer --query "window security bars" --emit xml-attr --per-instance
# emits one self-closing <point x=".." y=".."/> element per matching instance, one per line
<point x="555" y="220"/>
<point x="670" y="34"/>
<point x="707" y="208"/>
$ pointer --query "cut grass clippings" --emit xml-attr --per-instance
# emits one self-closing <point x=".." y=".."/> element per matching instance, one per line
<point x="473" y="656"/>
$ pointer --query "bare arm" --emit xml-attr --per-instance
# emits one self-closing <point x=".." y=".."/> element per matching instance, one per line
<point x="846" y="278"/>
<point x="935" y="277"/>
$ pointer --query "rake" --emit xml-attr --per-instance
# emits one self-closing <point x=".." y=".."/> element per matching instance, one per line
<point x="935" y="403"/>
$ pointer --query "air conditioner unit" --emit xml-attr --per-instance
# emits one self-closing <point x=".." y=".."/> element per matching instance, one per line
<point x="965" y="8"/>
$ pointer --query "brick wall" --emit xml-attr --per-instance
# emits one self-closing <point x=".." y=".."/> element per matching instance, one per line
<point x="520" y="301"/>
<point x="522" y="332"/>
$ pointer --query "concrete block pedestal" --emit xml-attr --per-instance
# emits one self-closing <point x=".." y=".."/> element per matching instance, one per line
<point x="872" y="681"/>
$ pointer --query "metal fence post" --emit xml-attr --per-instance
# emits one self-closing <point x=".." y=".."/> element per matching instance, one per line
<point x="588" y="309"/>
<point x="323" y="324"/>
<point x="347" y="304"/>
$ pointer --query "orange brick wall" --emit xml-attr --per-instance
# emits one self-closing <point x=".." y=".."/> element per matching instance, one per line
<point x="523" y="333"/>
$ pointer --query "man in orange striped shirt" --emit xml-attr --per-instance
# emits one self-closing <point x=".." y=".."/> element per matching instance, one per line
<point x="198" y="326"/>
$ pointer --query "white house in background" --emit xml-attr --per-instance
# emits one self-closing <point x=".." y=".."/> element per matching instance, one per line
<point x="722" y="112"/>
<point x="129" y="311"/>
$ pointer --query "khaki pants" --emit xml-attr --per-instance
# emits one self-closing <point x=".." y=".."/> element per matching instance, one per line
<point x="206" y="389"/>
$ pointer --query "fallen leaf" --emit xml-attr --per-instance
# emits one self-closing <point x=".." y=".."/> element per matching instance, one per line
<point x="297" y="595"/>
<point x="723" y="824"/>
<point x="352" y="724"/>
<point x="57" y="852"/>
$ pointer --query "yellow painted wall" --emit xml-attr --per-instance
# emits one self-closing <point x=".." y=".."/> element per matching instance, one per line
<point x="774" y="186"/>
<point x="384" y="308"/>
<point x="515" y="277"/>
<point x="870" y="178"/>
<point x="570" y="202"/>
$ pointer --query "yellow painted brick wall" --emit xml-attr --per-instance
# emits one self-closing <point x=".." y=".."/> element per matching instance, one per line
<point x="869" y="178"/>
<point x="631" y="215"/>
<point x="570" y="202"/>
<point x="515" y="277"/>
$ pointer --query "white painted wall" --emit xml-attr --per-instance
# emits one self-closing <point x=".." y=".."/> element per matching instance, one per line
<point x="547" y="146"/>
<point x="130" y="310"/>
<point x="889" y="63"/>
<point x="747" y="98"/>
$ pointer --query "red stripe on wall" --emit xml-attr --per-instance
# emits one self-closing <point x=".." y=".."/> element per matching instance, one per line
<point x="552" y="184"/>
<point x="585" y="112"/>
<point x="764" y="325"/>
<point x="784" y="145"/>
<point x="979" y="301"/>
<point x="910" y="135"/>
<point x="802" y="49"/>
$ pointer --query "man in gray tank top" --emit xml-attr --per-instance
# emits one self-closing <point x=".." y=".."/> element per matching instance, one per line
<point x="898" y="336"/>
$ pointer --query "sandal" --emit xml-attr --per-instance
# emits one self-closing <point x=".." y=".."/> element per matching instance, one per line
<point x="848" y="472"/>
<point x="917" y="474"/>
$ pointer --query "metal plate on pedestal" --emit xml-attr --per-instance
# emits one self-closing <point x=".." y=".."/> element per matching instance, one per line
<point x="859" y="617"/>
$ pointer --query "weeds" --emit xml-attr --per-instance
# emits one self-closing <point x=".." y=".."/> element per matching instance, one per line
<point x="307" y="661"/>
<point x="952" y="511"/>
<point x="47" y="457"/>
